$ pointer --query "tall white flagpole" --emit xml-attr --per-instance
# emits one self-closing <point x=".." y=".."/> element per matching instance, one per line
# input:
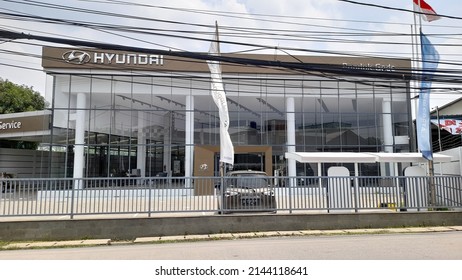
<point x="415" y="59"/>
<point x="430" y="166"/>
<point x="219" y="97"/>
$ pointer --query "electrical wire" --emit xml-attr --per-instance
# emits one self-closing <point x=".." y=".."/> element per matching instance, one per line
<point x="395" y="9"/>
<point x="102" y="27"/>
<point x="38" y="3"/>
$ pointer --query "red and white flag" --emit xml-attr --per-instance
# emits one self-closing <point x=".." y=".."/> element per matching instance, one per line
<point x="427" y="11"/>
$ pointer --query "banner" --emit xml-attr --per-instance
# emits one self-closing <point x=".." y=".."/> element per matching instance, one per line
<point x="452" y="126"/>
<point x="219" y="96"/>
<point x="430" y="59"/>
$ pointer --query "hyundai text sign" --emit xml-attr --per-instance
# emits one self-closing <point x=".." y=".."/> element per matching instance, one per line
<point x="80" y="57"/>
<point x="100" y="59"/>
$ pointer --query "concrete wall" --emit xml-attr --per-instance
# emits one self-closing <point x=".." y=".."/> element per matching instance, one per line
<point x="127" y="229"/>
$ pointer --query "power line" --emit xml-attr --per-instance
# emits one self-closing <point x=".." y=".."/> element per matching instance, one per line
<point x="103" y="27"/>
<point x="41" y="4"/>
<point x="395" y="9"/>
<point x="246" y="32"/>
<point x="300" y="67"/>
<point x="199" y="56"/>
<point x="270" y="36"/>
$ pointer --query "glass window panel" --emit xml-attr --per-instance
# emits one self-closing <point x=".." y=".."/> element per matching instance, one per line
<point x="367" y="129"/>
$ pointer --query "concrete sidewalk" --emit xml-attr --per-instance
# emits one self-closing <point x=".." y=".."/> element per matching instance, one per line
<point x="221" y="236"/>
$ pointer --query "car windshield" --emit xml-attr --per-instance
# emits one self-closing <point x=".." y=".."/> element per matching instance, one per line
<point x="250" y="181"/>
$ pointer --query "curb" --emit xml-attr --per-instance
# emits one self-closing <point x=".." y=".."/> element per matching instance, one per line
<point x="57" y="244"/>
<point x="222" y="236"/>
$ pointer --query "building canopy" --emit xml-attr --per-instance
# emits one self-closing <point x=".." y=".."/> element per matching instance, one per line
<point x="349" y="157"/>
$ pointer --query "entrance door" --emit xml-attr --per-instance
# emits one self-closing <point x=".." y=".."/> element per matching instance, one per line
<point x="258" y="158"/>
<point x="248" y="161"/>
<point x="207" y="163"/>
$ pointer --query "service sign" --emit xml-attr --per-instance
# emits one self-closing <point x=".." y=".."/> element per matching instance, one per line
<point x="24" y="123"/>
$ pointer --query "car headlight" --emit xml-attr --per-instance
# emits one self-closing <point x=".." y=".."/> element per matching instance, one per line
<point x="231" y="193"/>
<point x="268" y="192"/>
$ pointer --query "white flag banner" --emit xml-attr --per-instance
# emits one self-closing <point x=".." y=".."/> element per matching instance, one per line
<point x="219" y="96"/>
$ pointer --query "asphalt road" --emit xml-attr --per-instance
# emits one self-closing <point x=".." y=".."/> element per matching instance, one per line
<point x="421" y="246"/>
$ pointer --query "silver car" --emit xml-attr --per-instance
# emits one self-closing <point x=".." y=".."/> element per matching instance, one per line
<point x="246" y="191"/>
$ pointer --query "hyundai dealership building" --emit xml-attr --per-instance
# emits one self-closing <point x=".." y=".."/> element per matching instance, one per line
<point x="115" y="113"/>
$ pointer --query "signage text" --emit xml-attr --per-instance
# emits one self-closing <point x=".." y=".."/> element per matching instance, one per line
<point x="10" y="125"/>
<point x="370" y="67"/>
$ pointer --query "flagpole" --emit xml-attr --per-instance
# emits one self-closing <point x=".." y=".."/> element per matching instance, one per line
<point x="218" y="37"/>
<point x="420" y="17"/>
<point x="430" y="167"/>
<point x="415" y="66"/>
<point x="222" y="164"/>
<point x="439" y="130"/>
<point x="416" y="51"/>
<point x="439" y="136"/>
<point x="219" y="97"/>
<point x="418" y="83"/>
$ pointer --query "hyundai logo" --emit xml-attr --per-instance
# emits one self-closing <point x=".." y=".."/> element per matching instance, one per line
<point x="76" y="57"/>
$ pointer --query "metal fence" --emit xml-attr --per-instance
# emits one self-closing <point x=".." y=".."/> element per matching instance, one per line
<point x="157" y="195"/>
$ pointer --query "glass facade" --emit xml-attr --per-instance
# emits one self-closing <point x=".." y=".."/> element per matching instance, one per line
<point x="137" y="124"/>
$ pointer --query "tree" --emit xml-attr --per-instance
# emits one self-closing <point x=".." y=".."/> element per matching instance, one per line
<point x="15" y="99"/>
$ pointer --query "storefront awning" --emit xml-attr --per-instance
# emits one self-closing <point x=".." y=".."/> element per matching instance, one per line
<point x="329" y="157"/>
<point x="348" y="157"/>
<point x="409" y="157"/>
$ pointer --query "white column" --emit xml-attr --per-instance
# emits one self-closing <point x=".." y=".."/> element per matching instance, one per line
<point x="290" y="109"/>
<point x="388" y="135"/>
<point x="189" y="135"/>
<point x="79" y="159"/>
<point x="387" y="126"/>
<point x="141" y="151"/>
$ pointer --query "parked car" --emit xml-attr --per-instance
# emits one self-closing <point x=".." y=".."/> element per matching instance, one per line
<point x="246" y="191"/>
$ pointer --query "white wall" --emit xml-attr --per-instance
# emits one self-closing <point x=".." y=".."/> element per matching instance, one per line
<point x="450" y="168"/>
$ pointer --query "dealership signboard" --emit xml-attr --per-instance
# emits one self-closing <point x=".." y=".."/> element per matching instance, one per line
<point x="98" y="59"/>
<point x="27" y="123"/>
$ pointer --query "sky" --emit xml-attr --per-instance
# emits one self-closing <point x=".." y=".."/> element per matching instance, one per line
<point x="295" y="27"/>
